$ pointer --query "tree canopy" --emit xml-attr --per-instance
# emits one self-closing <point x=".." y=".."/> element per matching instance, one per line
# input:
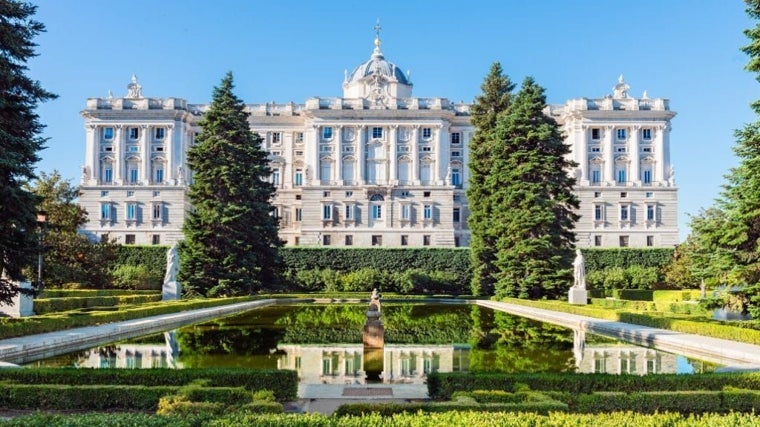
<point x="20" y="142"/>
<point x="231" y="239"/>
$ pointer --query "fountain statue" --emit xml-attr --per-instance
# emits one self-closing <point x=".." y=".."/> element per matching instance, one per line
<point x="578" y="293"/>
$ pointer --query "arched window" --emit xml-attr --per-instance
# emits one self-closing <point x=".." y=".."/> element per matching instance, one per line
<point x="133" y="169"/>
<point x="106" y="170"/>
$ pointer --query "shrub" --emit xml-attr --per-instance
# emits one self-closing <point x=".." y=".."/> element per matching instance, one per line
<point x="641" y="277"/>
<point x="51" y="305"/>
<point x="615" y="278"/>
<point x="136" y="277"/>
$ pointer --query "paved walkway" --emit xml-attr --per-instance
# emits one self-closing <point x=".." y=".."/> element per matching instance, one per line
<point x="724" y="352"/>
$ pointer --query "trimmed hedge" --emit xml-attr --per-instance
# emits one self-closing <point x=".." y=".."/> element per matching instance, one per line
<point x="81" y="397"/>
<point x="684" y="402"/>
<point x="392" y="409"/>
<point x="79" y="293"/>
<point x="633" y="294"/>
<point x="14" y="327"/>
<point x="283" y="383"/>
<point x="441" y="386"/>
<point x="665" y="307"/>
<point x="599" y="259"/>
<point x="153" y="257"/>
<point x="676" y="296"/>
<point x="53" y="305"/>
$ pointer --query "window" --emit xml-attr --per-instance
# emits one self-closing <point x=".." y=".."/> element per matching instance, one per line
<point x="325" y="170"/>
<point x="377" y="240"/>
<point x="377" y="132"/>
<point x="596" y="176"/>
<point x="597" y="194"/>
<point x="156" y="239"/>
<point x="621" y="176"/>
<point x="134" y="133"/>
<point x="647" y="176"/>
<point x="133" y="174"/>
<point x="131" y="211"/>
<point x="596" y="134"/>
<point x="327" y="212"/>
<point x="327" y="133"/>
<point x="427" y="133"/>
<point x="456" y="154"/>
<point x="299" y="138"/>
<point x="646" y="134"/>
<point x="159" y="148"/>
<point x="130" y="193"/>
<point x="594" y="149"/>
<point x="406" y="212"/>
<point x="404" y="194"/>
<point x="160" y="134"/>
<point x="624" y="211"/>
<point x="621" y="133"/>
<point x="159" y="175"/>
<point x="377" y="212"/>
<point x="104" y="193"/>
<point x="298" y="197"/>
<point x="276" y="137"/>
<point x="404" y="240"/>
<point x="597" y="240"/>
<point x="621" y="150"/>
<point x="298" y="178"/>
<point x="349" y="212"/>
<point x="133" y="149"/>
<point x="427" y="212"/>
<point x="651" y="212"/>
<point x="648" y="194"/>
<point x="156" y="193"/>
<point x="157" y="211"/>
<point x="650" y="240"/>
<point x="623" y="241"/>
<point x="456" y="215"/>
<point x="427" y="148"/>
<point x="325" y="194"/>
<point x="456" y="242"/>
<point x="426" y="240"/>
<point x="647" y="149"/>
<point x="276" y="177"/>
<point x="425" y="194"/>
<point x="326" y="240"/>
<point x="299" y="153"/>
<point x="598" y="213"/>
<point x="129" y="239"/>
<point x="456" y="177"/>
<point x="105" y="211"/>
<point x="349" y="194"/>
<point x="108" y="133"/>
<point x="299" y="214"/>
<point x="456" y="138"/>
<point x="349" y="240"/>
<point x="623" y="195"/>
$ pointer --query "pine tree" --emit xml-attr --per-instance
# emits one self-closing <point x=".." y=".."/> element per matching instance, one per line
<point x="19" y="142"/>
<point x="532" y="201"/>
<point x="494" y="100"/>
<point x="231" y="243"/>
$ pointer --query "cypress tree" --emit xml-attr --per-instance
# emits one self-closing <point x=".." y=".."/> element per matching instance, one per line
<point x="231" y="243"/>
<point x="19" y="142"/>
<point x="532" y="201"/>
<point x="494" y="100"/>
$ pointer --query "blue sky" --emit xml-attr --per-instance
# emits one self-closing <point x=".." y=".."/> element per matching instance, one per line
<point x="684" y="50"/>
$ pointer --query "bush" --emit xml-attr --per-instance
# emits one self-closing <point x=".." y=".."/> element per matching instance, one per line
<point x="81" y="397"/>
<point x="641" y="277"/>
<point x="632" y="294"/>
<point x="392" y="409"/>
<point x="137" y="277"/>
<point x="615" y="278"/>
<point x="676" y="296"/>
<point x="52" y="305"/>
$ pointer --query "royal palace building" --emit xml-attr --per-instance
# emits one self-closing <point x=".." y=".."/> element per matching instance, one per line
<point x="375" y="167"/>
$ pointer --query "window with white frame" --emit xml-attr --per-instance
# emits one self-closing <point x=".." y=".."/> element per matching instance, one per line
<point x="625" y="211"/>
<point x="427" y="212"/>
<point x="157" y="211"/>
<point x="299" y="137"/>
<point x="276" y="176"/>
<point x="646" y="176"/>
<point x="646" y="134"/>
<point x="133" y="174"/>
<point x="327" y="133"/>
<point x="596" y="176"/>
<point x="299" y="214"/>
<point x="107" y="173"/>
<point x="651" y="212"/>
<point x="621" y="133"/>
<point x="159" y="174"/>
<point x="456" y="178"/>
<point x="276" y="137"/>
<point x="427" y="133"/>
<point x="131" y="213"/>
<point x="598" y="212"/>
<point x="160" y="133"/>
<point x="105" y="211"/>
<point x="650" y="241"/>
<point x="325" y="170"/>
<point x="377" y="132"/>
<point x="597" y="240"/>
<point x="596" y="134"/>
<point x="456" y="138"/>
<point x="298" y="178"/>
<point x="350" y="211"/>
<point x="456" y="215"/>
<point x="108" y="133"/>
<point x="406" y="212"/>
<point x="327" y="212"/>
<point x="377" y="211"/>
<point x="134" y="133"/>
<point x="621" y="175"/>
<point x="623" y="241"/>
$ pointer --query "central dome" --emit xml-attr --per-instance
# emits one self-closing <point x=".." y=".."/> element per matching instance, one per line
<point x="377" y="79"/>
<point x="377" y="65"/>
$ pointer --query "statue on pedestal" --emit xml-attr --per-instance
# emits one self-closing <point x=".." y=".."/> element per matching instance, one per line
<point x="171" y="289"/>
<point x="578" y="293"/>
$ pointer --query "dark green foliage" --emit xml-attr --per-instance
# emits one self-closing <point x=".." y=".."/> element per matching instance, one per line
<point x="82" y="293"/>
<point x="104" y="420"/>
<point x="484" y="111"/>
<point x="19" y="143"/>
<point x="392" y="409"/>
<point x="151" y="257"/>
<point x="633" y="294"/>
<point x="231" y="240"/>
<point x="684" y="402"/>
<point x="284" y="384"/>
<point x="532" y="200"/>
<point x="599" y="259"/>
<point x="137" y="277"/>
<point x="52" y="305"/>
<point x="443" y="385"/>
<point x="81" y="397"/>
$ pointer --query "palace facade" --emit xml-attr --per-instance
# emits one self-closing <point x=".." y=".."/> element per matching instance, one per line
<point x="375" y="167"/>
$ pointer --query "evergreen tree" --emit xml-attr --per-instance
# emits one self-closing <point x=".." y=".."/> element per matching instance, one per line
<point x="532" y="201"/>
<point x="19" y="142"/>
<point x="231" y="243"/>
<point x="69" y="256"/>
<point x="494" y="100"/>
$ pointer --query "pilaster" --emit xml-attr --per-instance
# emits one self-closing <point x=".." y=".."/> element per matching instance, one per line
<point x="609" y="156"/>
<point x="635" y="156"/>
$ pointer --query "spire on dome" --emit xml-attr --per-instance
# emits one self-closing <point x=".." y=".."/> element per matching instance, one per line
<point x="621" y="89"/>
<point x="377" y="29"/>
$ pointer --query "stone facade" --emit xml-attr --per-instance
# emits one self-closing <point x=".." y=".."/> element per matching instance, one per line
<point x="376" y="167"/>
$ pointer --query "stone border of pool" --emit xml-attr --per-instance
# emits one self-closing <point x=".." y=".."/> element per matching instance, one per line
<point x="35" y="347"/>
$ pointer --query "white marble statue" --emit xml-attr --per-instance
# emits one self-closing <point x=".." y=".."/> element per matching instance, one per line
<point x="171" y="289"/>
<point x="579" y="271"/>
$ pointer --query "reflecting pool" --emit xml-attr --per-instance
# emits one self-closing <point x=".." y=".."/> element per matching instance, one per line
<point x="323" y="342"/>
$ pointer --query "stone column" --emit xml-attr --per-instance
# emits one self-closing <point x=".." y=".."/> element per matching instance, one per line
<point x="361" y="157"/>
<point x="338" y="171"/>
<point x="145" y="165"/>
<point x="119" y="160"/>
<point x="465" y="160"/>
<point x="660" y="173"/>
<point x="581" y="157"/>
<point x="92" y="157"/>
<point x="415" y="142"/>
<point x="635" y="157"/>
<point x="609" y="156"/>
<point x="442" y="154"/>
<point x="170" y="176"/>
<point x="392" y="140"/>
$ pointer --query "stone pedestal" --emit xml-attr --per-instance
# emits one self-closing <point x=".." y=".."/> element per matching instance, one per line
<point x="374" y="335"/>
<point x="22" y="305"/>
<point x="577" y="296"/>
<point x="171" y="291"/>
